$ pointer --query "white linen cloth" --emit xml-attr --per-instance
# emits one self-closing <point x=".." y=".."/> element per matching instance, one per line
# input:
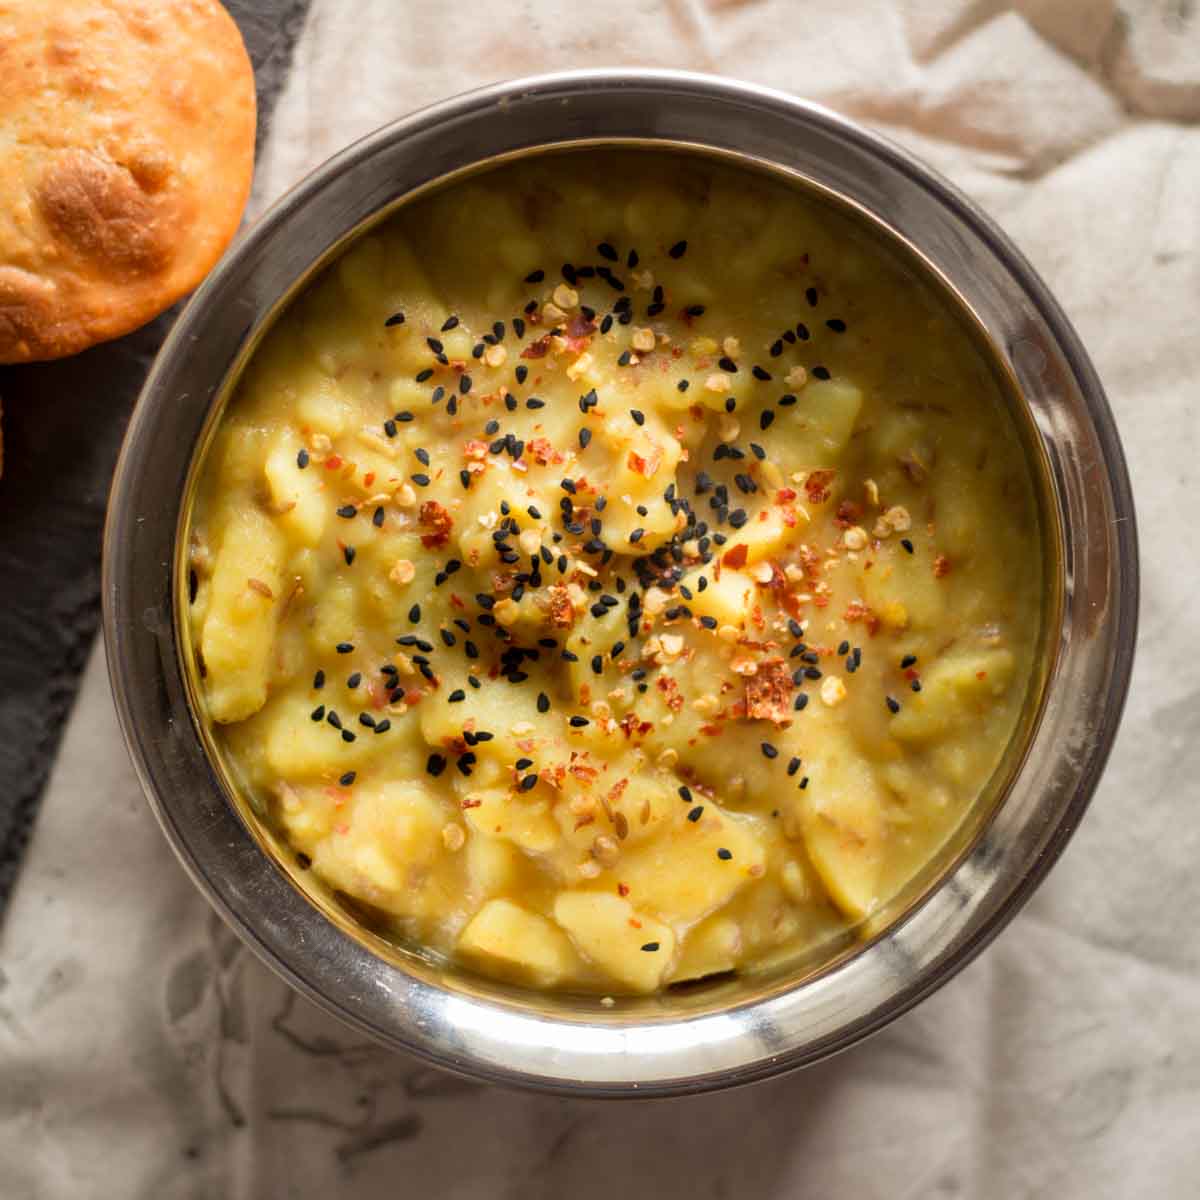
<point x="144" y="1053"/>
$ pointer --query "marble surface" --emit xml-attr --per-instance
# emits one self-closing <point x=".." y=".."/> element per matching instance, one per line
<point x="144" y="1053"/>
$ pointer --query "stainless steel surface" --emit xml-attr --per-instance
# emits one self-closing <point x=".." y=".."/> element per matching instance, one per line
<point x="710" y="1038"/>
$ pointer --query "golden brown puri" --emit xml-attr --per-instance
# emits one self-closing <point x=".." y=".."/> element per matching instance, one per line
<point x="126" y="153"/>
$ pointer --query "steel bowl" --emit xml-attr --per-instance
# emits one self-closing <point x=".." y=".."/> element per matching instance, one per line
<point x="706" y="1036"/>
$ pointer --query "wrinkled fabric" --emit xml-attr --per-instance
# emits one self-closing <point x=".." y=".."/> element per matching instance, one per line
<point x="144" y="1053"/>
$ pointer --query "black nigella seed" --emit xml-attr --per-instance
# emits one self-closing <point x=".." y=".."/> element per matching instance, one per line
<point x="821" y="373"/>
<point x="397" y="318"/>
<point x="367" y="720"/>
<point x="760" y="373"/>
<point x="758" y="451"/>
<point x="768" y="750"/>
<point x="347" y="779"/>
<point x="585" y="436"/>
<point x="786" y="401"/>
<point x="724" y="855"/>
<point x="793" y="766"/>
<point x="765" y="418"/>
<point x="810" y="294"/>
<point x="333" y="719"/>
<point x="348" y="553"/>
<point x="694" y="310"/>
<point x="578" y="722"/>
<point x="422" y="456"/>
<point x="678" y="250"/>
<point x="464" y="384"/>
<point x="543" y="702"/>
<point x="344" y="647"/>
<point x="420" y="479"/>
<point x="424" y="376"/>
<point x="347" y="736"/>
<point x="347" y="511"/>
<point x="694" y="815"/>
<point x="522" y="373"/>
<point x="449" y="323"/>
<point x="606" y="251"/>
<point x="383" y="726"/>
<point x="435" y="765"/>
<point x="801" y="702"/>
<point x="776" y="348"/>
<point x="836" y="324"/>
<point x="535" y="276"/>
<point x="650" y="947"/>
<point x="730" y="404"/>
<point x="802" y="331"/>
<point x="302" y="459"/>
<point x="529" y="782"/>
<point x="915" y="685"/>
<point x="404" y="417"/>
<point x="893" y="704"/>
<point x="685" y="793"/>
<point x="907" y="545"/>
<point x="909" y="660"/>
<point x="352" y="681"/>
<point x="727" y="364"/>
<point x="318" y="713"/>
<point x="377" y="517"/>
<point x="434" y="345"/>
<point x="843" y="648"/>
<point x="319" y="680"/>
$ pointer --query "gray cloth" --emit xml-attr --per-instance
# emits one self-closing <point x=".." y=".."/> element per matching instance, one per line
<point x="145" y="1054"/>
<point x="63" y="424"/>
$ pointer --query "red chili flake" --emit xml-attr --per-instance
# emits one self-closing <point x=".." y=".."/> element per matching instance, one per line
<point x="469" y="803"/>
<point x="849" y="511"/>
<point x="736" y="557"/>
<point x="644" y="466"/>
<point x="541" y="449"/>
<point x="456" y="601"/>
<point x="941" y="566"/>
<point x="562" y="614"/>
<point x="816" y="486"/>
<point x="538" y="349"/>
<point x="622" y="889"/>
<point x="671" y="693"/>
<point x="769" y="692"/>
<point x="368" y="479"/>
<point x="333" y="462"/>
<point x="439" y="522"/>
<point x="785" y="495"/>
<point x="630" y="724"/>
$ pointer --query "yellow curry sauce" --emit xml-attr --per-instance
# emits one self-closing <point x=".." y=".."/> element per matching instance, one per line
<point x="617" y="569"/>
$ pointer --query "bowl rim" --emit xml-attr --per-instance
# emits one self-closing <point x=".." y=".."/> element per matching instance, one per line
<point x="420" y="1017"/>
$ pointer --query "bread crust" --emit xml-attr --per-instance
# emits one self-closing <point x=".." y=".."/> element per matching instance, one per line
<point x="126" y="155"/>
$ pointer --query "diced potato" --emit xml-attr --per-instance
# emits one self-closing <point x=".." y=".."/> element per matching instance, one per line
<point x="514" y="942"/>
<point x="632" y="948"/>
<point x="822" y="421"/>
<point x="712" y="947"/>
<point x="319" y="406"/>
<point x="841" y="816"/>
<point x="245" y="595"/>
<point x="522" y="818"/>
<point x="297" y="495"/>
<point x="959" y="687"/>
<point x="727" y="599"/>
<point x="683" y="878"/>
